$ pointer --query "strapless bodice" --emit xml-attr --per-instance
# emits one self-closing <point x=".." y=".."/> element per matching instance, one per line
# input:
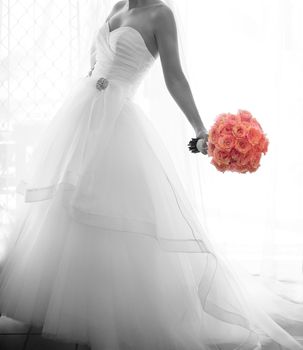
<point x="121" y="55"/>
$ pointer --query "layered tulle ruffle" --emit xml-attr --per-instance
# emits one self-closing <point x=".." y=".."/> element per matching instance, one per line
<point x="108" y="251"/>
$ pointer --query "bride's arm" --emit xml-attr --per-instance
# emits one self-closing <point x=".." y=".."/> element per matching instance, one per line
<point x="176" y="82"/>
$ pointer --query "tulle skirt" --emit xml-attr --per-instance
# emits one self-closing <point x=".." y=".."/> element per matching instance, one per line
<point x="106" y="249"/>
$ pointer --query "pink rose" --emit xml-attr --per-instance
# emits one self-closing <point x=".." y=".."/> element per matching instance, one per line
<point x="263" y="144"/>
<point x="220" y="118"/>
<point x="226" y="142"/>
<point x="226" y="128"/>
<point x="213" y="135"/>
<point x="244" y="159"/>
<point x="233" y="166"/>
<point x="221" y="157"/>
<point x="221" y="167"/>
<point x="239" y="130"/>
<point x="242" y="145"/>
<point x="255" y="160"/>
<point x="235" y="155"/>
<point x="247" y="125"/>
<point x="253" y="136"/>
<point x="243" y="168"/>
<point x="234" y="119"/>
<point x="245" y="115"/>
<point x="211" y="147"/>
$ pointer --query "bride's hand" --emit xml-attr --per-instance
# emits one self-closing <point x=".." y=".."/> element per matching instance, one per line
<point x="199" y="145"/>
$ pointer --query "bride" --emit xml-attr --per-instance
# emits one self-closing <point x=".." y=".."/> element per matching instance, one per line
<point x="106" y="249"/>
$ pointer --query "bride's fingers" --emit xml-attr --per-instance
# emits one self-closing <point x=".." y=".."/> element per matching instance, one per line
<point x="202" y="145"/>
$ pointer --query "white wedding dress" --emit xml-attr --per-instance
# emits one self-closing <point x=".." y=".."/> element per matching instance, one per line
<point x="106" y="249"/>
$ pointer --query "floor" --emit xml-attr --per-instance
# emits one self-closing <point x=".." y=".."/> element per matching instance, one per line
<point x="15" y="335"/>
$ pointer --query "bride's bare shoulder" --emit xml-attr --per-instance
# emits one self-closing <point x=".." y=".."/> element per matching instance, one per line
<point x="119" y="4"/>
<point x="163" y="16"/>
<point x="117" y="7"/>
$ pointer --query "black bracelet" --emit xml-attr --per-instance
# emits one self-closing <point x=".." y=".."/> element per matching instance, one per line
<point x="192" y="145"/>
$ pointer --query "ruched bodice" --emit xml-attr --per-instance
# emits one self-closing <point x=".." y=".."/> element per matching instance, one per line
<point x="121" y="55"/>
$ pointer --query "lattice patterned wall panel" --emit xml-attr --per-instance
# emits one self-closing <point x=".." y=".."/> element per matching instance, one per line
<point x="40" y="44"/>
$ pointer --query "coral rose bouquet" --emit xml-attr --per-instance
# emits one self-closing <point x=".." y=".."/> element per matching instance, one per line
<point x="236" y="142"/>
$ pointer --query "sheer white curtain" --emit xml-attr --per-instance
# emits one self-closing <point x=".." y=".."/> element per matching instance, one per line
<point x="246" y="54"/>
<point x="240" y="54"/>
<point x="42" y="46"/>
<point x="249" y="55"/>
